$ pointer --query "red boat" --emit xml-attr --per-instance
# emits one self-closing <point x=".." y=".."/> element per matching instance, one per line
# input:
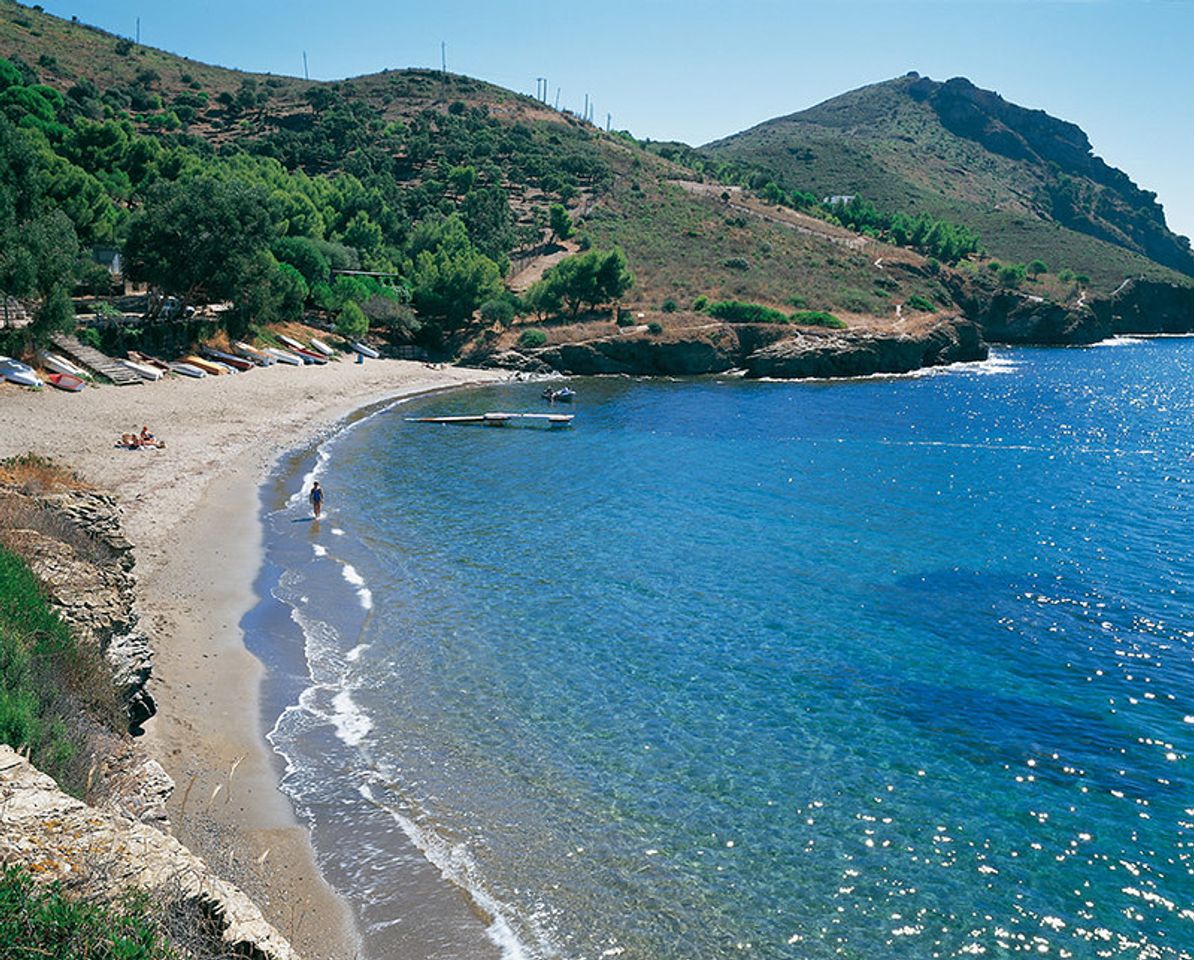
<point x="66" y="381"/>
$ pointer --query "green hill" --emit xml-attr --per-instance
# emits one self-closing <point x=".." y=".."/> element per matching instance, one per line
<point x="426" y="176"/>
<point x="1026" y="182"/>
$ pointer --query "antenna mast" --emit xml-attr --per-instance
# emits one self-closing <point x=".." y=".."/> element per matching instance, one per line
<point x="443" y="57"/>
<point x="306" y="75"/>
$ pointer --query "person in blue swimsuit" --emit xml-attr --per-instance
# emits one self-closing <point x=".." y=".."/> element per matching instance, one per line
<point x="317" y="498"/>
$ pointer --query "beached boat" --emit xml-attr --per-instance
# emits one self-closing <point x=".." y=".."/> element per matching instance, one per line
<point x="291" y="342"/>
<point x="366" y="350"/>
<point x="138" y="357"/>
<point x="187" y="369"/>
<point x="207" y="366"/>
<point x="66" y="381"/>
<point x="144" y="370"/>
<point x="310" y="356"/>
<point x="20" y="373"/>
<point x="322" y="347"/>
<point x="258" y="357"/>
<point x="237" y="363"/>
<point x="57" y="364"/>
<point x="283" y="356"/>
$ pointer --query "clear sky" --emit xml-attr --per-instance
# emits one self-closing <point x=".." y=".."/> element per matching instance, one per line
<point x="697" y="70"/>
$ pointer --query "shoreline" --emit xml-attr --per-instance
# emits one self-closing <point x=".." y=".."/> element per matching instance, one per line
<point x="193" y="515"/>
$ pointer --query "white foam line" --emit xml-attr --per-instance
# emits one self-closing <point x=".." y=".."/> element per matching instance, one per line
<point x="458" y="867"/>
<point x="319" y="549"/>
<point x="364" y="594"/>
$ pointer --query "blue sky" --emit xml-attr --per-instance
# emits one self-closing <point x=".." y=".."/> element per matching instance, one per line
<point x="698" y="70"/>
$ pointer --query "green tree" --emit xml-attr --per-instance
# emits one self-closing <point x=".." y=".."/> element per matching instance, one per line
<point x="352" y="322"/>
<point x="1037" y="267"/>
<point x="452" y="280"/>
<point x="489" y="221"/>
<point x="559" y="221"/>
<point x="197" y="237"/>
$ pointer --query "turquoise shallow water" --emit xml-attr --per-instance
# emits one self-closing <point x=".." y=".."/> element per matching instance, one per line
<point x="893" y="668"/>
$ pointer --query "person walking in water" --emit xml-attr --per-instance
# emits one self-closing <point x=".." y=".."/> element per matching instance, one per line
<point x="317" y="498"/>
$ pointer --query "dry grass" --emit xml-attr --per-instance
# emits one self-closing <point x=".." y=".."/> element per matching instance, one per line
<point x="33" y="475"/>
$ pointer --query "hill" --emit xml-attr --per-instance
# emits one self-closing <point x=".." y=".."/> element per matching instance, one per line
<point x="435" y="209"/>
<point x="1027" y="183"/>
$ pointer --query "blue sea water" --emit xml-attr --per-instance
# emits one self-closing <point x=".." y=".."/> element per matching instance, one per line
<point x="890" y="668"/>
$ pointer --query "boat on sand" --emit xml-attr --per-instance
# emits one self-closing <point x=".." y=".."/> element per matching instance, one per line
<point x="20" y="373"/>
<point x="66" y="381"/>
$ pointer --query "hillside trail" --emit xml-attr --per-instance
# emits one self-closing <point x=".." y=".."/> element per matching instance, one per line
<point x="799" y="222"/>
<point x="532" y="271"/>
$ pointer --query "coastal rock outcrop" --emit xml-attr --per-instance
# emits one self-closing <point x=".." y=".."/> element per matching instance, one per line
<point x="95" y="853"/>
<point x="1148" y="306"/>
<point x="850" y="353"/>
<point x="1011" y="316"/>
<point x="73" y="543"/>
<point x="763" y="350"/>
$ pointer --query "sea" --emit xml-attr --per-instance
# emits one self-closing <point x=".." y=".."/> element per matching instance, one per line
<point x="900" y="667"/>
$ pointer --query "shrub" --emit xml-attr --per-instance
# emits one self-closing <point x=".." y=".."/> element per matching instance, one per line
<point x="1011" y="274"/>
<point x="91" y="337"/>
<point x="1037" y="267"/>
<point x="1081" y="278"/>
<point x="736" y="311"/>
<point x="39" y="920"/>
<point x="498" y="311"/>
<point x="817" y="318"/>
<point x="700" y="303"/>
<point x="918" y="302"/>
<point x="796" y="301"/>
<point x="531" y="339"/>
<point x="352" y="322"/>
<point x="654" y="327"/>
<point x="626" y="319"/>
<point x="669" y="305"/>
<point x="1066" y="275"/>
<point x="737" y="263"/>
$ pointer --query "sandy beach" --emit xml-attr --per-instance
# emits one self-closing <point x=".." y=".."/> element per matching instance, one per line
<point x="191" y="512"/>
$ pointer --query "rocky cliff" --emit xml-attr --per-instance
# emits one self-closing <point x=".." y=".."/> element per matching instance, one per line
<point x="763" y="350"/>
<point x="1013" y="316"/>
<point x="72" y="541"/>
<point x="99" y="854"/>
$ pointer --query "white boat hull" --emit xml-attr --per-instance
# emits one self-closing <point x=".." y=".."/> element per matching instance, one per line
<point x="57" y="364"/>
<point x="283" y="356"/>
<point x="322" y="347"/>
<point x="143" y="370"/>
<point x="187" y="370"/>
<point x="366" y="350"/>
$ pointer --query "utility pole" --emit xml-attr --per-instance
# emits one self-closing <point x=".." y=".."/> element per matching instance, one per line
<point x="609" y="119"/>
<point x="585" y="115"/>
<point x="541" y="89"/>
<point x="138" y="31"/>
<point x="557" y="98"/>
<point x="443" y="57"/>
<point x="306" y="75"/>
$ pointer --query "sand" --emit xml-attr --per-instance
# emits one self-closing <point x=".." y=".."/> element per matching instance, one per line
<point x="191" y="512"/>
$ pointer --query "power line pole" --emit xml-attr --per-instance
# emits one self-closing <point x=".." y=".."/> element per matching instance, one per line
<point x="138" y="31"/>
<point x="443" y="57"/>
<point x="585" y="115"/>
<point x="609" y="119"/>
<point x="306" y="74"/>
<point x="557" y="98"/>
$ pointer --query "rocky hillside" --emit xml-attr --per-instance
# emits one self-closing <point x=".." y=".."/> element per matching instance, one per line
<point x="1027" y="182"/>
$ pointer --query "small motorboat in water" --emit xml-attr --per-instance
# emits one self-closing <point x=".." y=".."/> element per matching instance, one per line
<point x="563" y="395"/>
<point x="20" y="373"/>
<point x="66" y="381"/>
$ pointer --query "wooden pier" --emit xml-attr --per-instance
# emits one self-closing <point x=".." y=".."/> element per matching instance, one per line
<point x="503" y="419"/>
